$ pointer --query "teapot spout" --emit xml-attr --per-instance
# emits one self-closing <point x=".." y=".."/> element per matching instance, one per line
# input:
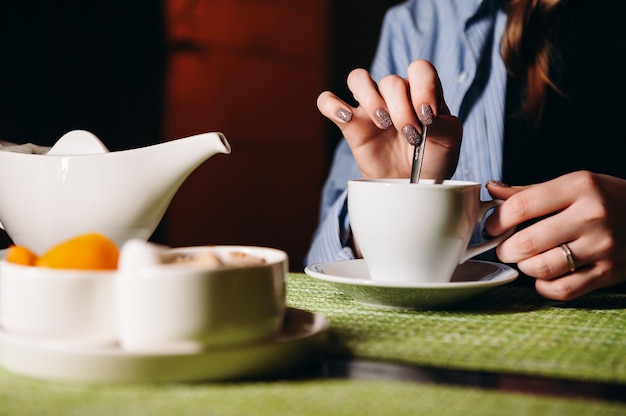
<point x="166" y="166"/>
<point x="176" y="159"/>
<point x="193" y="150"/>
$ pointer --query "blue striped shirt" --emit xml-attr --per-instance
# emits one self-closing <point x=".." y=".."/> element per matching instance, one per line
<point x="461" y="38"/>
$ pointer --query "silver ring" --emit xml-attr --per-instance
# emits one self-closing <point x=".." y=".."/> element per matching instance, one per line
<point x="569" y="257"/>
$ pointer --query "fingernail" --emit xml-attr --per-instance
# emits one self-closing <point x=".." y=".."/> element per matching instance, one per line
<point x="412" y="136"/>
<point x="498" y="183"/>
<point x="425" y="114"/>
<point x="344" y="114"/>
<point x="383" y="118"/>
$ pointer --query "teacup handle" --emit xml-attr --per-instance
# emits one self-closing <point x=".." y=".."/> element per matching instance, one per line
<point x="479" y="248"/>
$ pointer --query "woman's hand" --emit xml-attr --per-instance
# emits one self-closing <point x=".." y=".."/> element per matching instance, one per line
<point x="389" y="116"/>
<point x="583" y="210"/>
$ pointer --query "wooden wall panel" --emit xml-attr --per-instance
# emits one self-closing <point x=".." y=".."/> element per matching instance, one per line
<point x="253" y="70"/>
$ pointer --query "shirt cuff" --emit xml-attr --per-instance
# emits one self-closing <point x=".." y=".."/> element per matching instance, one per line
<point x="333" y="237"/>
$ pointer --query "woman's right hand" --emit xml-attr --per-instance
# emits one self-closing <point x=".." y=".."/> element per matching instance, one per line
<point x="391" y="114"/>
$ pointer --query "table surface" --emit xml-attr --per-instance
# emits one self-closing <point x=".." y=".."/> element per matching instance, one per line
<point x="505" y="351"/>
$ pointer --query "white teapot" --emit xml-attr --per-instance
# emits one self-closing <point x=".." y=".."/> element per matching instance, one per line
<point x="48" y="195"/>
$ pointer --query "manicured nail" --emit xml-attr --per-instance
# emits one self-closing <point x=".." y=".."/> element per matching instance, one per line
<point x="425" y="114"/>
<point x="412" y="136"/>
<point x="344" y="114"/>
<point x="383" y="118"/>
<point x="498" y="183"/>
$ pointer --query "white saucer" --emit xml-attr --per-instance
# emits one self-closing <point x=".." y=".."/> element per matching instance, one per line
<point x="469" y="279"/>
<point x="301" y="338"/>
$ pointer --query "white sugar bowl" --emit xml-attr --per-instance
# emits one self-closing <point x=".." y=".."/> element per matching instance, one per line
<point x="194" y="298"/>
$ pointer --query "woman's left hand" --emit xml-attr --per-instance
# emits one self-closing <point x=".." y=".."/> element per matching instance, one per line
<point x="583" y="210"/>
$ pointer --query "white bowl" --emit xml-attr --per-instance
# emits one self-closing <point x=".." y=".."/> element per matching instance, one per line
<point x="71" y="307"/>
<point x="192" y="307"/>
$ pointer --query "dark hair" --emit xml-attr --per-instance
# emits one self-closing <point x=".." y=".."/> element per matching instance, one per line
<point x="527" y="50"/>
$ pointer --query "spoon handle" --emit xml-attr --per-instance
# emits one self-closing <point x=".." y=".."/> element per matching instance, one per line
<point x="418" y="155"/>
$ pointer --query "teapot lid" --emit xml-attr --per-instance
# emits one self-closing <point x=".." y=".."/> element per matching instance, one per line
<point x="77" y="142"/>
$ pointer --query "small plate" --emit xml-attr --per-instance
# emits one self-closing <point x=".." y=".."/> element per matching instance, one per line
<point x="469" y="279"/>
<point x="300" y="339"/>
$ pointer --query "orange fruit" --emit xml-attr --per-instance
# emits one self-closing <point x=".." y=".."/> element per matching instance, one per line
<point x="91" y="251"/>
<point x="20" y="255"/>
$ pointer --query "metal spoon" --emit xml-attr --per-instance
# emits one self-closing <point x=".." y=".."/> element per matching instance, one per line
<point x="418" y="156"/>
<point x="425" y="114"/>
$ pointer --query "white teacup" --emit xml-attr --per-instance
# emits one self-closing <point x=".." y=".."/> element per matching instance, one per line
<point x="416" y="233"/>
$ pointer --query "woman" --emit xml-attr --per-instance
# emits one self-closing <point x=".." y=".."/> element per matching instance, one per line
<point x="534" y="88"/>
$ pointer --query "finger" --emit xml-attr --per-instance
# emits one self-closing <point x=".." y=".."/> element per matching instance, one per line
<point x="540" y="237"/>
<point x="446" y="131"/>
<point x="532" y="202"/>
<point x="366" y="93"/>
<point x="551" y="260"/>
<point x="394" y="90"/>
<point x="354" y="123"/>
<point x="550" y="264"/>
<point x="500" y="190"/>
<point x="334" y="108"/>
<point x="569" y="286"/>
<point x="444" y="145"/>
<point x="426" y="87"/>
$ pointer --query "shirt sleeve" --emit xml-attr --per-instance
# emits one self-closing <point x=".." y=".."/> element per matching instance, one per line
<point x="330" y="241"/>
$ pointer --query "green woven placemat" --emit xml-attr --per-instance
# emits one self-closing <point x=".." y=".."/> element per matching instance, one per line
<point x="508" y="329"/>
<point x="24" y="397"/>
